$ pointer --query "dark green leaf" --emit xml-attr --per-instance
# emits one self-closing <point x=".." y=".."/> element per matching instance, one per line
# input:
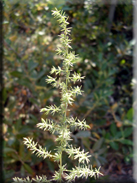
<point x="128" y="131"/>
<point x="17" y="74"/>
<point x="126" y="142"/>
<point x="40" y="74"/>
<point x="118" y="134"/>
<point x="28" y="168"/>
<point x="113" y="129"/>
<point x="129" y="114"/>
<point x="114" y="145"/>
<point x="102" y="151"/>
<point x="32" y="65"/>
<point x="98" y="144"/>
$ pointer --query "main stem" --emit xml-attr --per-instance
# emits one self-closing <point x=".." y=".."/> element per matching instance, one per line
<point x="60" y="166"/>
<point x="66" y="106"/>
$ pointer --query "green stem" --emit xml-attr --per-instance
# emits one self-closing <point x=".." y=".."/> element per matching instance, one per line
<point x="60" y="166"/>
<point x="65" y="113"/>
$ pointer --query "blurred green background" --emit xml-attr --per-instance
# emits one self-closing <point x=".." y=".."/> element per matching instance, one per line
<point x="103" y="39"/>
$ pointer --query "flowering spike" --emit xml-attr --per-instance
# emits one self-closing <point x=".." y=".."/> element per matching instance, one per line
<point x="62" y="128"/>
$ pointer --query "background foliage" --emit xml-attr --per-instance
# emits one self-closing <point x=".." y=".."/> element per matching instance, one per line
<point x="105" y="49"/>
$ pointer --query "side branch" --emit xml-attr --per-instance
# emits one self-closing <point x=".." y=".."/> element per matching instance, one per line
<point x="40" y="152"/>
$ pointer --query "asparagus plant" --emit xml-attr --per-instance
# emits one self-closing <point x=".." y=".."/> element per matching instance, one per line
<point x="62" y="128"/>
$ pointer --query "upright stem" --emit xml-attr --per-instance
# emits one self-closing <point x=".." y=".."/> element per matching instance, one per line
<point x="64" y="119"/>
<point x="66" y="105"/>
<point x="60" y="166"/>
